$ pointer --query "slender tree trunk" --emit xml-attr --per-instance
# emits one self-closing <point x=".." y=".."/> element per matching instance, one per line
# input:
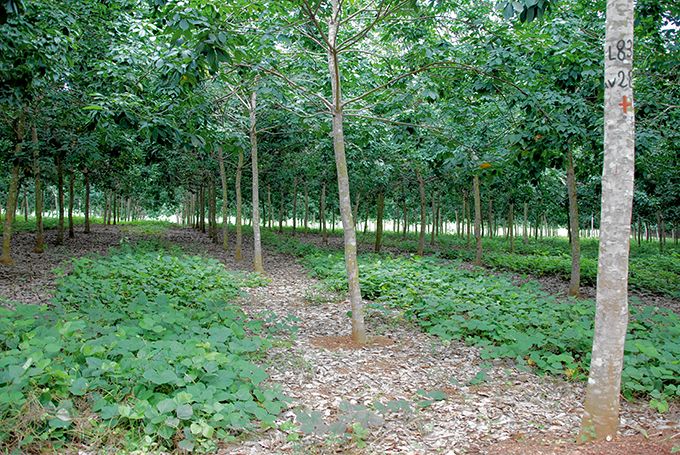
<point x="86" y="175"/>
<point x="258" y="264"/>
<point x="490" y="218"/>
<point x="60" y="192"/>
<point x="71" y="201"/>
<point x="271" y="207"/>
<point x="39" y="234"/>
<point x="423" y="214"/>
<point x="358" y="327"/>
<point x="379" y="221"/>
<point x="322" y="215"/>
<point x="294" y="205"/>
<point x="202" y="204"/>
<point x="525" y="224"/>
<point x="660" y="229"/>
<point x="511" y="227"/>
<point x="434" y="218"/>
<point x="238" y="253"/>
<point x="281" y="213"/>
<point x="404" y="208"/>
<point x="355" y="211"/>
<point x="225" y="198"/>
<point x="575" y="280"/>
<point x="478" y="220"/>
<point x="601" y="417"/>
<point x="25" y="204"/>
<point x="306" y="221"/>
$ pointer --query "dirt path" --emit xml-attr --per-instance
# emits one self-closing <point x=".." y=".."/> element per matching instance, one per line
<point x="475" y="404"/>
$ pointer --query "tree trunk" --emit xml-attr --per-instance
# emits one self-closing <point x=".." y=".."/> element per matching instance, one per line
<point x="358" y="327"/>
<point x="271" y="207"/>
<point x="86" y="175"/>
<point x="575" y="280"/>
<point x="525" y="224"/>
<point x="258" y="264"/>
<point x="294" y="205"/>
<point x="225" y="198"/>
<point x="238" y="253"/>
<point x="423" y="214"/>
<point x="511" y="227"/>
<point x="478" y="220"/>
<point x="660" y="229"/>
<point x="306" y="220"/>
<point x="202" y="204"/>
<point x="404" y="208"/>
<point x="322" y="215"/>
<point x="71" y="200"/>
<point x="6" y="258"/>
<point x="379" y="222"/>
<point x="434" y="218"/>
<point x="39" y="234"/>
<point x="490" y="218"/>
<point x="355" y="211"/>
<point x="60" y="192"/>
<point x="601" y="417"/>
<point x="281" y="213"/>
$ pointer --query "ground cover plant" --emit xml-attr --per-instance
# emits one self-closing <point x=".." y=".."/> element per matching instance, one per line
<point x="143" y="349"/>
<point x="650" y="271"/>
<point x="521" y="323"/>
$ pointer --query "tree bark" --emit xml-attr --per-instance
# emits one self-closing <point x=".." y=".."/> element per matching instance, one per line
<point x="225" y="198"/>
<point x="60" y="192"/>
<point x="306" y="220"/>
<point x="258" y="264"/>
<point x="575" y="279"/>
<point x="322" y="215"/>
<point x="71" y="201"/>
<point x="423" y="214"/>
<point x="281" y="213"/>
<point x="490" y="218"/>
<point x="525" y="224"/>
<point x="434" y="218"/>
<point x="478" y="220"/>
<point x="601" y="416"/>
<point x="238" y="252"/>
<point x="39" y="232"/>
<point x="404" y="208"/>
<point x="358" y="327"/>
<point x="6" y="258"/>
<point x="294" y="205"/>
<point x="379" y="222"/>
<point x="511" y="227"/>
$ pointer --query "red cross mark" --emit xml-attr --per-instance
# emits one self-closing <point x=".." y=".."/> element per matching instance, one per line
<point x="625" y="104"/>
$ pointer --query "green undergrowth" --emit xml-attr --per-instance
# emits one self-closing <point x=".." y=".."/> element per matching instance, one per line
<point x="520" y="323"/>
<point x="650" y="270"/>
<point x="22" y="225"/>
<point x="146" y="227"/>
<point x="142" y="349"/>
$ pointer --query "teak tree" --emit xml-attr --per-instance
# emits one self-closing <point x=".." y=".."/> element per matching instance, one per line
<point x="601" y="417"/>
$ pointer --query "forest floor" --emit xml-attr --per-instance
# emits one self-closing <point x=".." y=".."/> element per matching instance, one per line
<point x="407" y="392"/>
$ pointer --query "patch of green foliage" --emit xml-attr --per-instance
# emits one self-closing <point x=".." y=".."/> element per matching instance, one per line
<point x="21" y="225"/>
<point x="142" y="346"/>
<point x="522" y="323"/>
<point x="650" y="271"/>
<point x="146" y="227"/>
